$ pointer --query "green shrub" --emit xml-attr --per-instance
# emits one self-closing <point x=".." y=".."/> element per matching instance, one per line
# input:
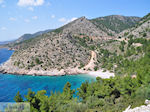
<point x="37" y="61"/>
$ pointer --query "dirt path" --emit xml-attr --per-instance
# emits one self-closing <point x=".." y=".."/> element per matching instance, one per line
<point x="91" y="64"/>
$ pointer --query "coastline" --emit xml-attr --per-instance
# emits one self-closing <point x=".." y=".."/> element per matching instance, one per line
<point x="98" y="73"/>
<point x="8" y="68"/>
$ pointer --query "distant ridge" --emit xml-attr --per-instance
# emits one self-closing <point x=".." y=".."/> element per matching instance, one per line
<point x="141" y="29"/>
<point x="114" y="24"/>
<point x="25" y="37"/>
<point x="28" y="36"/>
<point x="5" y="42"/>
<point x="110" y="25"/>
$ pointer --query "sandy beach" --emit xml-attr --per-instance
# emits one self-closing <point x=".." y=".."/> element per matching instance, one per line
<point x="101" y="74"/>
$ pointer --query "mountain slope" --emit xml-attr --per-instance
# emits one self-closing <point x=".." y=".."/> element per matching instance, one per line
<point x="83" y="26"/>
<point x="62" y="49"/>
<point x="141" y="29"/>
<point x="115" y="23"/>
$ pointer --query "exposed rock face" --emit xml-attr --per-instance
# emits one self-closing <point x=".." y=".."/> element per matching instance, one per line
<point x="142" y="108"/>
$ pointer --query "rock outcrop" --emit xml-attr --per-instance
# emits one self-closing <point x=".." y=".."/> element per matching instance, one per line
<point x="143" y="108"/>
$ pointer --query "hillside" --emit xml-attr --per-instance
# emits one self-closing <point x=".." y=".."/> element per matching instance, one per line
<point x="128" y="48"/>
<point x="83" y="27"/>
<point x="141" y="29"/>
<point x="62" y="49"/>
<point x="115" y="23"/>
<point x="70" y="47"/>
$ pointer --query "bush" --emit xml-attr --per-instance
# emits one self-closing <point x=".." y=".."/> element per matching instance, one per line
<point x="144" y="34"/>
<point x="38" y="61"/>
<point x="95" y="68"/>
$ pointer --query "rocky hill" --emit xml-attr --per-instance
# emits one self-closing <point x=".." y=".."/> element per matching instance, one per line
<point x="80" y="45"/>
<point x="67" y="47"/>
<point x="115" y="23"/>
<point x="83" y="26"/>
<point x="142" y="108"/>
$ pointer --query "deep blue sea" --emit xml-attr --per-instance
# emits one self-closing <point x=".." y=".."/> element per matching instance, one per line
<point x="10" y="84"/>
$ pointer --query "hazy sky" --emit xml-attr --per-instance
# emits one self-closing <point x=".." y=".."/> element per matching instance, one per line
<point x="18" y="17"/>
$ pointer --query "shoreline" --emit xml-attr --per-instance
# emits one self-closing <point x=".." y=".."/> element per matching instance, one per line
<point x="98" y="73"/>
<point x="9" y="68"/>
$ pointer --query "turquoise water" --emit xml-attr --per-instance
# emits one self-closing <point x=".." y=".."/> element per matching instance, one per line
<point x="10" y="84"/>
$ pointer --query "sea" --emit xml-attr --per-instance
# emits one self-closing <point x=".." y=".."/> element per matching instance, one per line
<point x="11" y="84"/>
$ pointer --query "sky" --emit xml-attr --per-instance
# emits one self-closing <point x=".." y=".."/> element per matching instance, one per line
<point x="18" y="17"/>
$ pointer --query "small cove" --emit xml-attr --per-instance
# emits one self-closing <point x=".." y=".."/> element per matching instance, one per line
<point x="10" y="84"/>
